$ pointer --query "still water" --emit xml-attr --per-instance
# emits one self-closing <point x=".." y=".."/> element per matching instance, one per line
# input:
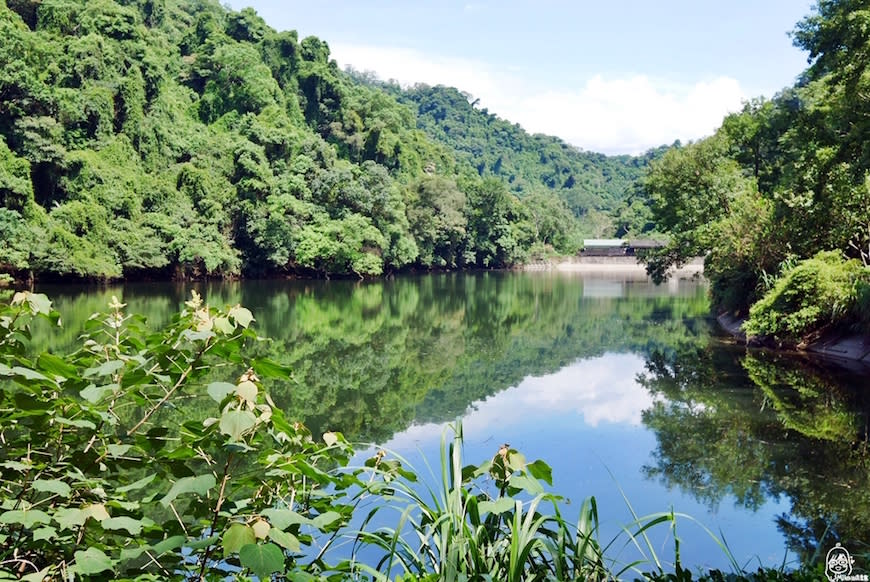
<point x="628" y="390"/>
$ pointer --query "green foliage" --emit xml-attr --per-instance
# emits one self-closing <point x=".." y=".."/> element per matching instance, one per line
<point x="497" y="232"/>
<point x="691" y="188"/>
<point x="187" y="140"/>
<point x="461" y="529"/>
<point x="591" y="185"/>
<point x="805" y="150"/>
<point x="16" y="190"/>
<point x="815" y="294"/>
<point x="745" y="246"/>
<point x="101" y="474"/>
<point x="437" y="220"/>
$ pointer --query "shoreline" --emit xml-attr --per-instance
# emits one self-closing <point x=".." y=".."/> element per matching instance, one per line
<point x="848" y="350"/>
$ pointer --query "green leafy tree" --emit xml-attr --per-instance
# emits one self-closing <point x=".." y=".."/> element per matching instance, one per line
<point x="436" y="215"/>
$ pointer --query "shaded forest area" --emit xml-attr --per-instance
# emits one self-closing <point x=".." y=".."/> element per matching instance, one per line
<point x="179" y="139"/>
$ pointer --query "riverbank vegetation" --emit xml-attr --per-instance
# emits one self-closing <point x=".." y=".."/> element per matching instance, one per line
<point x="161" y="455"/>
<point x="779" y="182"/>
<point x="179" y="139"/>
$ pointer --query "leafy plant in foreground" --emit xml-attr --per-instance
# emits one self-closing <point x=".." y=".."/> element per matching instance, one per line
<point x="495" y="521"/>
<point x="102" y="479"/>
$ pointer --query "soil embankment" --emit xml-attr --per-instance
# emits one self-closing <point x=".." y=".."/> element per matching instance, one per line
<point x="847" y="348"/>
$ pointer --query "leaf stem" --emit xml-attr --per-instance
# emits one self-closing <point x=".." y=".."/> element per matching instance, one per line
<point x="216" y="516"/>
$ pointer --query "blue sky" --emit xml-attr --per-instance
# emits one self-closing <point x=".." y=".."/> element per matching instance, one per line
<point x="617" y="76"/>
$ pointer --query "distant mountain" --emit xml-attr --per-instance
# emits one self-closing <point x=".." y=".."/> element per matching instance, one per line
<point x="593" y="185"/>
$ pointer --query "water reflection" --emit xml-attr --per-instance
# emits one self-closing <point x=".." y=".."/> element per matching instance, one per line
<point x="751" y="427"/>
<point x="593" y="374"/>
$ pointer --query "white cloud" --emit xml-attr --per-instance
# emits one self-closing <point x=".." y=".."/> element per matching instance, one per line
<point x="608" y="113"/>
<point x="597" y="390"/>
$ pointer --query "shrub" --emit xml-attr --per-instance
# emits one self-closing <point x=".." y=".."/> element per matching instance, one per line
<point x="102" y="477"/>
<point x="741" y="252"/>
<point x="817" y="294"/>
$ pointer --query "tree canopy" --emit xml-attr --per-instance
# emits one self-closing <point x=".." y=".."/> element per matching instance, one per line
<point x="177" y="138"/>
<point x="781" y="180"/>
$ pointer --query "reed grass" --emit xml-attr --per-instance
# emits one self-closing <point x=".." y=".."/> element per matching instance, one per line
<point x="496" y="521"/>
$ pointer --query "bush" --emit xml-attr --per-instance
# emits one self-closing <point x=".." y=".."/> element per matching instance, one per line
<point x="818" y="294"/>
<point x="741" y="252"/>
<point x="104" y="474"/>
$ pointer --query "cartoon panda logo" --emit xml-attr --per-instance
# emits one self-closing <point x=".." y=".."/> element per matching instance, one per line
<point x="838" y="563"/>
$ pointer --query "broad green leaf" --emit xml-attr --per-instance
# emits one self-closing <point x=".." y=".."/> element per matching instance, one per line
<point x="497" y="507"/>
<point x="197" y="336"/>
<point x="92" y="561"/>
<point x="285" y="539"/>
<point x="125" y="505"/>
<point x="40" y="576"/>
<point x="261" y="528"/>
<point x="515" y="461"/>
<point x="324" y="519"/>
<point x="105" y="369"/>
<point x="262" y="559"/>
<point x="204" y="542"/>
<point x="169" y="544"/>
<point x="526" y="484"/>
<point x="237" y="536"/>
<point x="220" y="390"/>
<point x="96" y="511"/>
<point x="223" y="325"/>
<point x="76" y="423"/>
<point x="200" y="485"/>
<point x="133" y="526"/>
<point x="137" y="485"/>
<point x="542" y="471"/>
<point x="247" y="391"/>
<point x="241" y="315"/>
<point x="52" y="486"/>
<point x="70" y="517"/>
<point x="55" y="365"/>
<point x="38" y="302"/>
<point x="234" y="423"/>
<point x="28" y="373"/>
<point x="94" y="394"/>
<point x="284" y="518"/>
<point x="44" y="533"/>
<point x="26" y="517"/>
<point x="266" y="368"/>
<point x="118" y="450"/>
<point x="133" y="553"/>
<point x="17" y="466"/>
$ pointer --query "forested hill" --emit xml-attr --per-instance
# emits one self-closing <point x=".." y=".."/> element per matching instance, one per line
<point x="593" y="185"/>
<point x="176" y="138"/>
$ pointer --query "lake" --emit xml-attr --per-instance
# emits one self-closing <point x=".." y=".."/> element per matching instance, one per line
<point x="628" y="390"/>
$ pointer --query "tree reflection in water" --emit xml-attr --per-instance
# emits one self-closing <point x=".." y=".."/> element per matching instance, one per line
<point x="757" y="425"/>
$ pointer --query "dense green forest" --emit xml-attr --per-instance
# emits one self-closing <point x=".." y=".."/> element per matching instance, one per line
<point x="598" y="189"/>
<point x="778" y="199"/>
<point x="177" y="138"/>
